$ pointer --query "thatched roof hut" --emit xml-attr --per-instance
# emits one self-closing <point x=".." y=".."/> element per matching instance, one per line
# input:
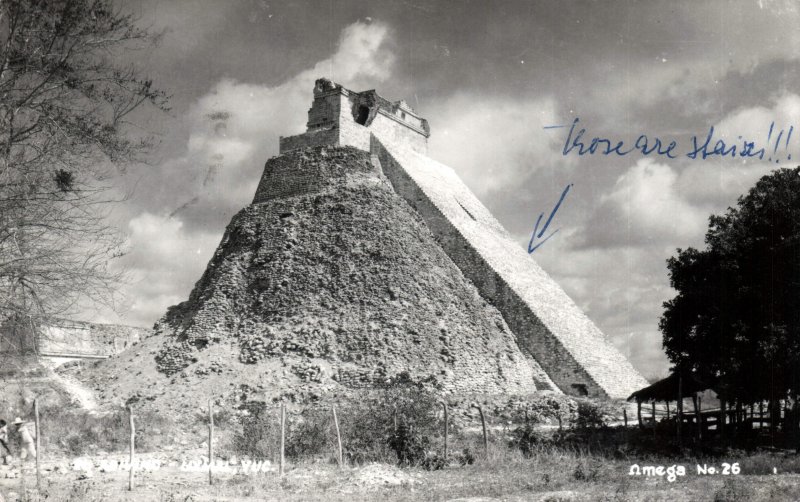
<point x="673" y="388"/>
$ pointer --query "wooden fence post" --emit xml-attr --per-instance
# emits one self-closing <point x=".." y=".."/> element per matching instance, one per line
<point x="338" y="436"/>
<point x="38" y="443"/>
<point x="639" y="413"/>
<point x="485" y="436"/>
<point x="210" y="441"/>
<point x="283" y="436"/>
<point x="679" y="405"/>
<point x="131" y="473"/>
<point x="445" y="431"/>
<point x="699" y="416"/>
<point x="654" y="418"/>
<point x="625" y="417"/>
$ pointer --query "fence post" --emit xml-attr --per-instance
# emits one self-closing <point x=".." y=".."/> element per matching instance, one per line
<point x="625" y="417"/>
<point x="283" y="435"/>
<point x="654" y="418"/>
<point x="445" y="431"/>
<point x="485" y="436"/>
<point x="210" y="441"/>
<point x="131" y="475"/>
<point x="338" y="435"/>
<point x="698" y="415"/>
<point x="639" y="413"/>
<point x="38" y="443"/>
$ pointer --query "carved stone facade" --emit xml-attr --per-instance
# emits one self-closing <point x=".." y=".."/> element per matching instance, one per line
<point x="63" y="339"/>
<point x="339" y="116"/>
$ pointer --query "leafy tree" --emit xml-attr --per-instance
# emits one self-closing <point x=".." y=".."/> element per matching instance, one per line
<point x="736" y="317"/>
<point x="66" y="108"/>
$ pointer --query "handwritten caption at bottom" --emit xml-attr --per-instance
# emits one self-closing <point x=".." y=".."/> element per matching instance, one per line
<point x="201" y="464"/>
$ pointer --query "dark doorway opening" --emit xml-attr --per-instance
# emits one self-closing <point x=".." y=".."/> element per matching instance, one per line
<point x="363" y="114"/>
<point x="580" y="389"/>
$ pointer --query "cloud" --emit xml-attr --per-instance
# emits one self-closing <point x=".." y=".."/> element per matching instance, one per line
<point x="162" y="264"/>
<point x="645" y="207"/>
<point x="717" y="184"/>
<point x="621" y="289"/>
<point x="235" y="127"/>
<point x="494" y="142"/>
<point x="232" y="130"/>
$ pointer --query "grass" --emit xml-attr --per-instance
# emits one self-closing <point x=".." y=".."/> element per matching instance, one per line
<point x="592" y="462"/>
<point x="548" y="474"/>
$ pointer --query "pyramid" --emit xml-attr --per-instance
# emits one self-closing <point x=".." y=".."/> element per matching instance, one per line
<point x="362" y="261"/>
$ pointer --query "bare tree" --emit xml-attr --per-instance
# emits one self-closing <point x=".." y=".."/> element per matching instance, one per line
<point x="66" y="103"/>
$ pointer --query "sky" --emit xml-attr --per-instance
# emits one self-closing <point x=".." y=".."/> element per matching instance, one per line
<point x="492" y="78"/>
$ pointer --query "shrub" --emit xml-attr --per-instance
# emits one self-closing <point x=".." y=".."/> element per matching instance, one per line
<point x="78" y="432"/>
<point x="311" y="435"/>
<point x="307" y="434"/>
<point x="527" y="439"/>
<point x="409" y="446"/>
<point x="589" y="416"/>
<point x="467" y="457"/>
<point x="259" y="433"/>
<point x="396" y="424"/>
<point x="545" y="408"/>
<point x="368" y="426"/>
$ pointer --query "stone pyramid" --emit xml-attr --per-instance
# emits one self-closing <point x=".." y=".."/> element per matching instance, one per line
<point x="362" y="261"/>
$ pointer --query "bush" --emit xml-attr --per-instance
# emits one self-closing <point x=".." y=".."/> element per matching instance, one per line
<point x="78" y="432"/>
<point x="467" y="457"/>
<point x="527" y="439"/>
<point x="259" y="434"/>
<point x="397" y="424"/>
<point x="544" y="408"/>
<point x="409" y="446"/>
<point x="589" y="416"/>
<point x="368" y="426"/>
<point x="313" y="435"/>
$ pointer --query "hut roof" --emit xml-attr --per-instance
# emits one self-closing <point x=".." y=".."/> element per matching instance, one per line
<point x="668" y="389"/>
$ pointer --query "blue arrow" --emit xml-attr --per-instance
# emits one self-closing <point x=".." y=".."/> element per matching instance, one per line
<point x="534" y="236"/>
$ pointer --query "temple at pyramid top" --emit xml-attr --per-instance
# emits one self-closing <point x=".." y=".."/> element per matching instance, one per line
<point x="339" y="117"/>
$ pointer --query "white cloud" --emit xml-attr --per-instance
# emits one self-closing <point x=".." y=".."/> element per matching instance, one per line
<point x="621" y="289"/>
<point x="494" y="142"/>
<point x="716" y="184"/>
<point x="233" y="130"/>
<point x="164" y="262"/>
<point x="235" y="127"/>
<point x="645" y="207"/>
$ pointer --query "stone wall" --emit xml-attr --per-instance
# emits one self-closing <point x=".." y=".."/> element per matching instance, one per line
<point x="63" y="338"/>
<point x="547" y="323"/>
<point x="309" y="140"/>
<point x="299" y="174"/>
<point x="333" y="119"/>
<point x="385" y="126"/>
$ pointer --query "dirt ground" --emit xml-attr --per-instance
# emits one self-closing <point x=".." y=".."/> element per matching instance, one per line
<point x="95" y="479"/>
